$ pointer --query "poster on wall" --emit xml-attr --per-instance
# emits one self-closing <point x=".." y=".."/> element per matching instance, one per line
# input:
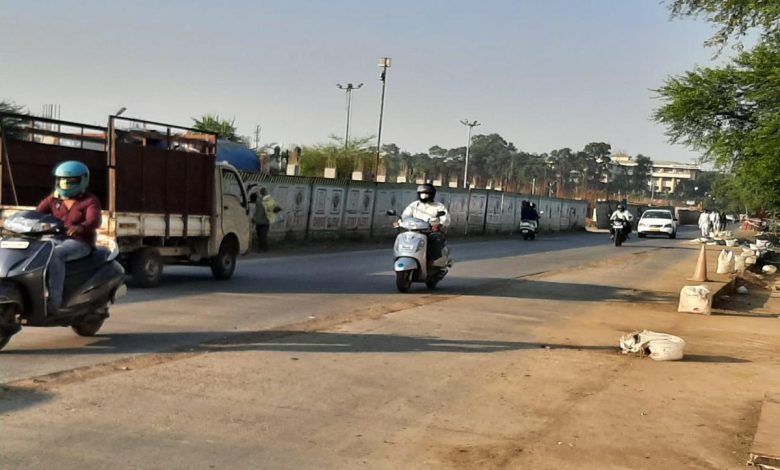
<point x="477" y="208"/>
<point x="293" y="200"/>
<point x="328" y="205"/>
<point x="494" y="209"/>
<point x="358" y="210"/>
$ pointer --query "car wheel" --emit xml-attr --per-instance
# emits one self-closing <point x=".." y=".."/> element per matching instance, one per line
<point x="673" y="235"/>
<point x="641" y="235"/>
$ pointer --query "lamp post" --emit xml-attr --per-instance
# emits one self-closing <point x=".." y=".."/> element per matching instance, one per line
<point x="120" y="111"/>
<point x="348" y="90"/>
<point x="384" y="64"/>
<point x="471" y="125"/>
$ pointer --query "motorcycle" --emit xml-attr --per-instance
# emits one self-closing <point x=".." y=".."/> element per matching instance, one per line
<point x="619" y="231"/>
<point x="528" y="229"/>
<point x="410" y="255"/>
<point x="91" y="283"/>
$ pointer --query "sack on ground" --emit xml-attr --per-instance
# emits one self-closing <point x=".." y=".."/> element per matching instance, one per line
<point x="659" y="346"/>
<point x="725" y="262"/>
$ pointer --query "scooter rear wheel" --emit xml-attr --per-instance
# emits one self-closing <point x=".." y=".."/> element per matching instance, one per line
<point x="87" y="328"/>
<point x="403" y="280"/>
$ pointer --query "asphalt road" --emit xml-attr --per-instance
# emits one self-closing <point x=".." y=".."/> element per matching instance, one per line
<point x="272" y="292"/>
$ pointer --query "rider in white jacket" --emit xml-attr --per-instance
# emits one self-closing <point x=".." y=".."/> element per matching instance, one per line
<point x="426" y="208"/>
<point x="623" y="214"/>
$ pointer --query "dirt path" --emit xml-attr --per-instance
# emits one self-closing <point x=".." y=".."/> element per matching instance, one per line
<point x="523" y="376"/>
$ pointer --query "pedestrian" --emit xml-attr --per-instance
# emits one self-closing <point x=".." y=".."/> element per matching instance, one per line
<point x="704" y="223"/>
<point x="723" y="221"/>
<point x="264" y="217"/>
<point x="715" y="220"/>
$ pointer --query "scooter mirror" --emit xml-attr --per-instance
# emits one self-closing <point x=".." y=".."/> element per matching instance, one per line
<point x="440" y="214"/>
<point x="390" y="212"/>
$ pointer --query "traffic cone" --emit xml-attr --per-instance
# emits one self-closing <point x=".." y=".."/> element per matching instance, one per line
<point x="700" y="275"/>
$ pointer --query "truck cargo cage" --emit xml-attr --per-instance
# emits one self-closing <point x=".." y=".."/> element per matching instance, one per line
<point x="30" y="147"/>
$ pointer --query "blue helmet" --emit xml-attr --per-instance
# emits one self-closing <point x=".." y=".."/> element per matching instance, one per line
<point x="70" y="179"/>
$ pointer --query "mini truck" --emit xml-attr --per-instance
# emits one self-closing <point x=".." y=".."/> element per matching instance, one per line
<point x="166" y="199"/>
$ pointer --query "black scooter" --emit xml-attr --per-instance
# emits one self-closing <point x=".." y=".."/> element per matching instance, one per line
<point x="91" y="283"/>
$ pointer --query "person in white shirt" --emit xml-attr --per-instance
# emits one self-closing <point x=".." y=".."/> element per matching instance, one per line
<point x="715" y="221"/>
<point x="705" y="224"/>
<point x="622" y="214"/>
<point x="426" y="208"/>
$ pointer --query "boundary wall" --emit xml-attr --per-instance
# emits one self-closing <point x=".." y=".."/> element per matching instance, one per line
<point x="320" y="208"/>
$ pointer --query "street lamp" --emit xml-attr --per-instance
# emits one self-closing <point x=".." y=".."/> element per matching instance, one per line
<point x="120" y="111"/>
<point x="348" y="90"/>
<point x="384" y="64"/>
<point x="471" y="125"/>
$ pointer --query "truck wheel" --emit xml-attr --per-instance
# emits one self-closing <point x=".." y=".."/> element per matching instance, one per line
<point x="224" y="264"/>
<point x="146" y="267"/>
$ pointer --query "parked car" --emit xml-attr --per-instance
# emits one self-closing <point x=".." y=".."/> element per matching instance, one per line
<point x="657" y="222"/>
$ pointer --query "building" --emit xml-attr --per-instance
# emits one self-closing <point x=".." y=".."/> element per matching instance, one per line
<point x="668" y="175"/>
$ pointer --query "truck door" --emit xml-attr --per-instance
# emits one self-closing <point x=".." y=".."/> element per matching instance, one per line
<point x="234" y="209"/>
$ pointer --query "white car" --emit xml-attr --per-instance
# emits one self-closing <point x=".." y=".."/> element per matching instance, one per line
<point x="657" y="222"/>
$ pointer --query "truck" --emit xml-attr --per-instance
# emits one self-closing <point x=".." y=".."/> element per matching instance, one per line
<point x="165" y="198"/>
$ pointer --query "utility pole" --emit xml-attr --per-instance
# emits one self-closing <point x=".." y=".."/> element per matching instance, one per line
<point x="257" y="137"/>
<point x="471" y="126"/>
<point x="348" y="90"/>
<point x="384" y="64"/>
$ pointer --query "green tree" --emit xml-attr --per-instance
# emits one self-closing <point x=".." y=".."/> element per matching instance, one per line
<point x="224" y="127"/>
<point x="10" y="125"/>
<point x="731" y="113"/>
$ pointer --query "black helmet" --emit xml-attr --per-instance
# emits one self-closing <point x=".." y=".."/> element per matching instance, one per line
<point x="428" y="190"/>
<point x="621" y="207"/>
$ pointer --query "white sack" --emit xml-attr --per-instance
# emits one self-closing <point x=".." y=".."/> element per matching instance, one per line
<point x="725" y="262"/>
<point x="659" y="346"/>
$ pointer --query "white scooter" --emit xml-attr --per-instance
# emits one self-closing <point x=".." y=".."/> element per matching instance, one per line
<point x="410" y="254"/>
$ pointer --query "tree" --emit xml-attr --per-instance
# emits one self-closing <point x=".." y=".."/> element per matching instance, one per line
<point x="213" y="123"/>
<point x="731" y="113"/>
<point x="642" y="173"/>
<point x="8" y="124"/>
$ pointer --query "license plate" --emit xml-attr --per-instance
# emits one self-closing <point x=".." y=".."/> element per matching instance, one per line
<point x="14" y="244"/>
<point x="655" y="229"/>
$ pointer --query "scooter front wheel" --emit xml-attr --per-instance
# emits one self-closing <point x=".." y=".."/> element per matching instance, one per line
<point x="403" y="280"/>
<point x="8" y="317"/>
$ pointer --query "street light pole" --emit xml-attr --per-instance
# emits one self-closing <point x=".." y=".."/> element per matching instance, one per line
<point x="384" y="64"/>
<point x="348" y="89"/>
<point x="471" y="125"/>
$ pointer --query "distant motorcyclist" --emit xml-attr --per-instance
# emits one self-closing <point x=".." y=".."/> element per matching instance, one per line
<point x="528" y="212"/>
<point x="621" y="214"/>
<point x="80" y="213"/>
<point x="426" y="208"/>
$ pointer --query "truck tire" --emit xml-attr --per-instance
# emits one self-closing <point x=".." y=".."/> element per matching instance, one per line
<point x="146" y="267"/>
<point x="224" y="264"/>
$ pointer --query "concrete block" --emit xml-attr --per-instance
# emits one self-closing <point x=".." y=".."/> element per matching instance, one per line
<point x="765" y="451"/>
<point x="330" y="173"/>
<point x="293" y="170"/>
<point x="695" y="299"/>
<point x="357" y="176"/>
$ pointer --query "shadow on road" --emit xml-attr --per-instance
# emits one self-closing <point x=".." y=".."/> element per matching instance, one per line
<point x="326" y="342"/>
<point x="17" y="398"/>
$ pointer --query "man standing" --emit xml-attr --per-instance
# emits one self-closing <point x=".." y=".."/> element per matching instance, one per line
<point x="705" y="225"/>
<point x="264" y="217"/>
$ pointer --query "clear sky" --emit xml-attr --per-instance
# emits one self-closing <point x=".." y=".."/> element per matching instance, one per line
<point x="543" y="74"/>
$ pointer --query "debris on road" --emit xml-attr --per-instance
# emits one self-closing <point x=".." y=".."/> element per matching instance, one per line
<point x="659" y="346"/>
<point x="769" y="269"/>
<point x="742" y="290"/>
<point x="725" y="262"/>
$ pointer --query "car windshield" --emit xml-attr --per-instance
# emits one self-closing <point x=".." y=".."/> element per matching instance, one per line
<point x="657" y="215"/>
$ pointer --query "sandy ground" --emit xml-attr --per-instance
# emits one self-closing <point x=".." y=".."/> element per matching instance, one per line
<point x="525" y="375"/>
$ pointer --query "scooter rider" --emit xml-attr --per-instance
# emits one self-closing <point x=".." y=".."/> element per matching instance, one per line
<point x="80" y="213"/>
<point x="623" y="214"/>
<point x="426" y="208"/>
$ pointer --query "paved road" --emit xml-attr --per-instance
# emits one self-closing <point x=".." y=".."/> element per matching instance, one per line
<point x="276" y="291"/>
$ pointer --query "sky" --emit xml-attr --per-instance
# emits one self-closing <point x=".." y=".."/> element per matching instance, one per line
<point x="542" y="74"/>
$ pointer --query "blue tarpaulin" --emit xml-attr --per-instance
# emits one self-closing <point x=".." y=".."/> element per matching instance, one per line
<point x="237" y="155"/>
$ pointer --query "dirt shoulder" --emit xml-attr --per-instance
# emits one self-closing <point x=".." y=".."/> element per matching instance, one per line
<point x="524" y="375"/>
